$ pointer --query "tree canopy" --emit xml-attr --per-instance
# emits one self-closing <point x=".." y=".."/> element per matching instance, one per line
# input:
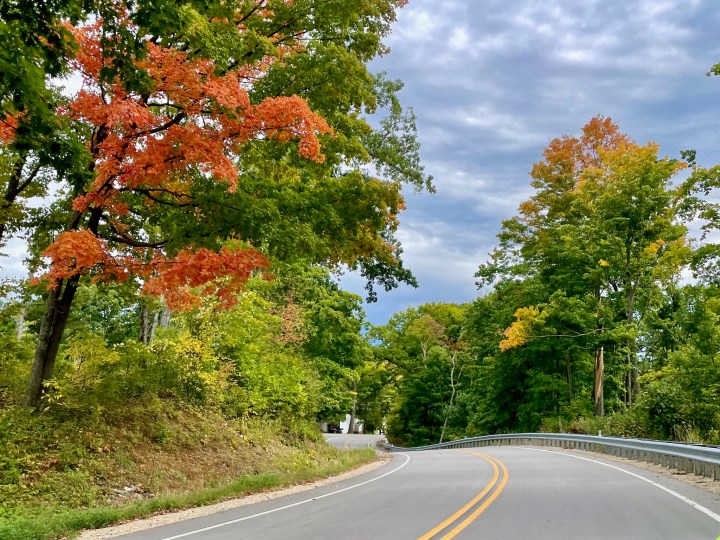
<point x="206" y="142"/>
<point x="590" y="324"/>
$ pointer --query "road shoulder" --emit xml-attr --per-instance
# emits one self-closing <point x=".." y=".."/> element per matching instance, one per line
<point x="183" y="515"/>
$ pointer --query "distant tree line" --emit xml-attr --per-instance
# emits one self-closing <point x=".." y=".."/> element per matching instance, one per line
<point x="600" y="312"/>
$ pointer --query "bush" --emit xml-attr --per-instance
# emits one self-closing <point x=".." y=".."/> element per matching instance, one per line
<point x="626" y="424"/>
<point x="15" y="361"/>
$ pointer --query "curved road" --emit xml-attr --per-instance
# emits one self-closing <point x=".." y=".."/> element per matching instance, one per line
<point x="491" y="493"/>
<point x="347" y="441"/>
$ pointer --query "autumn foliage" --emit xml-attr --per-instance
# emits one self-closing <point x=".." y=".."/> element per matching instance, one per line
<point x="518" y="333"/>
<point x="565" y="160"/>
<point x="220" y="274"/>
<point x="153" y="146"/>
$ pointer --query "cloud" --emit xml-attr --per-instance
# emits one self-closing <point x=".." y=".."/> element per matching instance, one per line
<point x="11" y="259"/>
<point x="493" y="82"/>
<point x="459" y="39"/>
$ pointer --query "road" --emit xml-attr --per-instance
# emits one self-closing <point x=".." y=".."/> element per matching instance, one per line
<point x="490" y="493"/>
<point x="348" y="441"/>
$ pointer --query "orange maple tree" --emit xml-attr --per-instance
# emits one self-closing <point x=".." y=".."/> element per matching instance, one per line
<point x="193" y="122"/>
<point x="559" y="174"/>
<point x="203" y="125"/>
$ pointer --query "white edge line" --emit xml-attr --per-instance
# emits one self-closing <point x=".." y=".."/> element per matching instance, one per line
<point x="692" y="503"/>
<point x="238" y="520"/>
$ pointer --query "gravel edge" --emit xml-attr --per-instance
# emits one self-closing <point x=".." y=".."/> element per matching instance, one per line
<point x="183" y="515"/>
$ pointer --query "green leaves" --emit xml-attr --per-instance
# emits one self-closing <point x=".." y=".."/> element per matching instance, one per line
<point x="583" y="267"/>
<point x="421" y="352"/>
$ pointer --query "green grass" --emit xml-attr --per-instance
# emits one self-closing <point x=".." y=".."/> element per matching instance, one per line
<point x="40" y="523"/>
<point x="64" y="470"/>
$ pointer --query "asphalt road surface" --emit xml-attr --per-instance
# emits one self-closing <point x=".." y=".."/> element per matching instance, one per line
<point x="490" y="493"/>
<point x="348" y="441"/>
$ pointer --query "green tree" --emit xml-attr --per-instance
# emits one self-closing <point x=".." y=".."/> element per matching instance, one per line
<point x="335" y="345"/>
<point x="426" y="349"/>
<point x="499" y="394"/>
<point x="680" y="394"/>
<point x="603" y="228"/>
<point x="325" y="325"/>
<point x="137" y="204"/>
<point x="376" y="394"/>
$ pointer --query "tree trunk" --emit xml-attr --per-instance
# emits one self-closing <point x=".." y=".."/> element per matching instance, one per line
<point x="453" y="387"/>
<point x="599" y="386"/>
<point x="628" y="381"/>
<point x="599" y="377"/>
<point x="353" y="411"/>
<point x="424" y="348"/>
<point x="631" y="387"/>
<point x="164" y="314"/>
<point x="149" y="321"/>
<point x="57" y="311"/>
<point x="154" y="324"/>
<point x="144" y="324"/>
<point x="21" y="323"/>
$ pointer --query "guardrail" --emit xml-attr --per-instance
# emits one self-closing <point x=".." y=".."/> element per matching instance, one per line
<point x="689" y="458"/>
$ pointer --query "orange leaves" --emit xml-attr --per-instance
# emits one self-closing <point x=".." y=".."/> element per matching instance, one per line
<point x="179" y="279"/>
<point x="8" y="125"/>
<point x="74" y="252"/>
<point x="285" y="118"/>
<point x="566" y="157"/>
<point x="227" y="91"/>
<point x="89" y="53"/>
<point x="194" y="120"/>
<point x="601" y="133"/>
<point x="222" y="274"/>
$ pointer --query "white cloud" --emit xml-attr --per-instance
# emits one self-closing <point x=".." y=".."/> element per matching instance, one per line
<point x="417" y="26"/>
<point x="507" y="130"/>
<point x="11" y="260"/>
<point x="436" y="256"/>
<point x="493" y="82"/>
<point x="459" y="39"/>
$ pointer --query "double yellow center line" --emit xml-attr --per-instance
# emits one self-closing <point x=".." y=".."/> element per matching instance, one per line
<point x="476" y="506"/>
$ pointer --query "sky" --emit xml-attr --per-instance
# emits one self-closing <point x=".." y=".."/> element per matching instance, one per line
<point x="492" y="82"/>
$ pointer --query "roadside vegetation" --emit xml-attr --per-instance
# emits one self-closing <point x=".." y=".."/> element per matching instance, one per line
<point x="181" y="336"/>
<point x="220" y="403"/>
<point x="91" y="472"/>
<point x="587" y="321"/>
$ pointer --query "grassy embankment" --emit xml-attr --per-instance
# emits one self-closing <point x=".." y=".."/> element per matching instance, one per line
<point x="61" y="473"/>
